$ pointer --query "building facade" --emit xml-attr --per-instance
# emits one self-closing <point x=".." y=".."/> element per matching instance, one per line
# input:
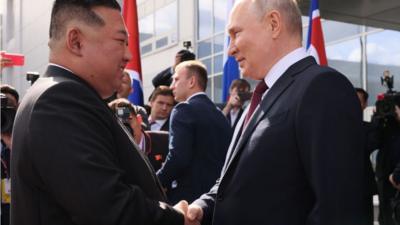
<point x="360" y="52"/>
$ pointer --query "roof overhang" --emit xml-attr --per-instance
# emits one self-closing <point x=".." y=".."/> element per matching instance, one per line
<point x="375" y="13"/>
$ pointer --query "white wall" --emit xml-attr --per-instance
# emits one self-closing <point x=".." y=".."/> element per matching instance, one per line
<point x="30" y="21"/>
<point x="25" y="31"/>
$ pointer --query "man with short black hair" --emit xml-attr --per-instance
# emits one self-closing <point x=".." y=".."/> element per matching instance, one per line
<point x="72" y="162"/>
<point x="199" y="136"/>
<point x="165" y="76"/>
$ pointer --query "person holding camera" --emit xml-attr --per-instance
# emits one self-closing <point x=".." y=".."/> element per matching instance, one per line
<point x="239" y="93"/>
<point x="387" y="119"/>
<point x="153" y="143"/>
<point x="9" y="104"/>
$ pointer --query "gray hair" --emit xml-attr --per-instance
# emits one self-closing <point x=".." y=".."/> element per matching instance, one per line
<point x="289" y="10"/>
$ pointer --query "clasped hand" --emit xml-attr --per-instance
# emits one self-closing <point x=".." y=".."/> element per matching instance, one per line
<point x="193" y="213"/>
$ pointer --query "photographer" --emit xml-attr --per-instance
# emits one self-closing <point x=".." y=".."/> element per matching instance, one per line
<point x="9" y="104"/>
<point x="153" y="143"/>
<point x="239" y="93"/>
<point x="387" y="121"/>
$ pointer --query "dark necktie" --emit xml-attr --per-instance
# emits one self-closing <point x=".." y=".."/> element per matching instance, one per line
<point x="255" y="99"/>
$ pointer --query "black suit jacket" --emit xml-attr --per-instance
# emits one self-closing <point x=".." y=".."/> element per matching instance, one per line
<point x="199" y="139"/>
<point x="74" y="163"/>
<point x="299" y="160"/>
<point x="163" y="78"/>
<point x="156" y="143"/>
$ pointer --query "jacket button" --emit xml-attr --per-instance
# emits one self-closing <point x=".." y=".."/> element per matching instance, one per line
<point x="220" y="197"/>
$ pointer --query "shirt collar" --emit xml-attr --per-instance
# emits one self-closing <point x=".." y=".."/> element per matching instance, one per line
<point x="54" y="64"/>
<point x="196" y="94"/>
<point x="283" y="64"/>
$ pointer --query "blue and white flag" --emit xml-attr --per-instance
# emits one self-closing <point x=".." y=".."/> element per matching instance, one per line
<point x="231" y="67"/>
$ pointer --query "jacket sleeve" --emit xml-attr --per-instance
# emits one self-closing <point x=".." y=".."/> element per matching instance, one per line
<point x="163" y="78"/>
<point x="331" y="142"/>
<point x="181" y="149"/>
<point x="75" y="158"/>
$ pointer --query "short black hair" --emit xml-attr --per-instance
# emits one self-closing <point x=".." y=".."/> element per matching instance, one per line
<point x="186" y="55"/>
<point x="7" y="89"/>
<point x="67" y="10"/>
<point x="363" y="92"/>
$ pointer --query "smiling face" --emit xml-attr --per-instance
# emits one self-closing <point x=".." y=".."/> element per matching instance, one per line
<point x="250" y="40"/>
<point x="105" y="51"/>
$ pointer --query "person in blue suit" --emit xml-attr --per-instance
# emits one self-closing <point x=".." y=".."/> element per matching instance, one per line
<point x="199" y="136"/>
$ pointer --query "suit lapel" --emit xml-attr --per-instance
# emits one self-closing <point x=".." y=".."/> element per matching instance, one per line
<point x="242" y="134"/>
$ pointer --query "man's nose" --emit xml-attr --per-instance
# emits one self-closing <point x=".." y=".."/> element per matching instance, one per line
<point x="232" y="49"/>
<point x="128" y="54"/>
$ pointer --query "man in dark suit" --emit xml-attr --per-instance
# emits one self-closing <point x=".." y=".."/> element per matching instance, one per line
<point x="73" y="162"/>
<point x="161" y="102"/>
<point x="199" y="136"/>
<point x="297" y="156"/>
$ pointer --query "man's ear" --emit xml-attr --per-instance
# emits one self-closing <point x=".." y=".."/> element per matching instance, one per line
<point x="273" y="20"/>
<point x="192" y="81"/>
<point x="74" y="41"/>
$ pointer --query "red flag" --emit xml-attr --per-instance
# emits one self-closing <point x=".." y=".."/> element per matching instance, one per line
<point x="315" y="42"/>
<point x="134" y="68"/>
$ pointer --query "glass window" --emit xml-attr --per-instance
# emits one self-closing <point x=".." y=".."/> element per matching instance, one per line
<point x="209" y="87"/>
<point x="217" y="88"/>
<point x="146" y="49"/>
<point x="346" y="58"/>
<point x="205" y="19"/>
<point x="162" y="42"/>
<point x="204" y="48"/>
<point x="220" y="13"/>
<point x="146" y="27"/>
<point x="207" y="63"/>
<point x="218" y="64"/>
<point x="219" y="43"/>
<point x="166" y="19"/>
<point x="383" y="53"/>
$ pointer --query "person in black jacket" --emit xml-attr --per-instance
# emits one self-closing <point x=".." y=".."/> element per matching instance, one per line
<point x="165" y="76"/>
<point x="73" y="162"/>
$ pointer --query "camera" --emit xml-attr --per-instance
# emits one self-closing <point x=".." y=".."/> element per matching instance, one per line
<point x="7" y="115"/>
<point x="187" y="44"/>
<point x="32" y="77"/>
<point x="385" y="104"/>
<point x="123" y="113"/>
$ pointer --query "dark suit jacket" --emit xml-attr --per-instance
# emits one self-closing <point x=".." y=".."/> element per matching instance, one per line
<point x="237" y="118"/>
<point x="199" y="139"/>
<point x="299" y="160"/>
<point x="73" y="163"/>
<point x="163" y="78"/>
<point x="156" y="143"/>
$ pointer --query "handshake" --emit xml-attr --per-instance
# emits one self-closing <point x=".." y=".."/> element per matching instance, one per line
<point x="193" y="213"/>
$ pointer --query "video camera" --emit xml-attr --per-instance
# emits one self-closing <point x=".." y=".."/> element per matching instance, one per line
<point x="7" y="115"/>
<point x="385" y="104"/>
<point x="32" y="77"/>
